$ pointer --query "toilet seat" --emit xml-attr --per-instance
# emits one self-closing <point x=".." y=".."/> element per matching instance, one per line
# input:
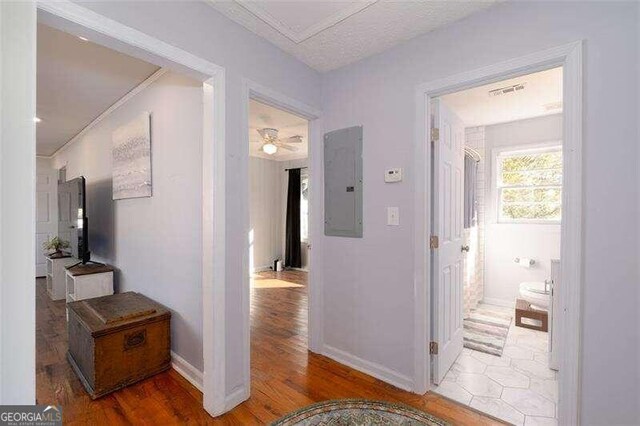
<point x="534" y="293"/>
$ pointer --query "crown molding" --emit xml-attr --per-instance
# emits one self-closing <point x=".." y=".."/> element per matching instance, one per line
<point x="123" y="100"/>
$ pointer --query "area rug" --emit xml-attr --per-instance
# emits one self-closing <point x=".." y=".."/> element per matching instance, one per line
<point x="486" y="330"/>
<point x="358" y="412"/>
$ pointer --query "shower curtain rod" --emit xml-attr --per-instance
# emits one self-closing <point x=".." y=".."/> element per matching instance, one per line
<point x="473" y="153"/>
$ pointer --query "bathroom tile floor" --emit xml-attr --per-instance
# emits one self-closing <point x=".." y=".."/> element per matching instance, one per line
<point x="518" y="387"/>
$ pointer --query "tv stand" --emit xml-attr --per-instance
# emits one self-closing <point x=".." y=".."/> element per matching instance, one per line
<point x="88" y="280"/>
<point x="56" y="264"/>
<point x="85" y="263"/>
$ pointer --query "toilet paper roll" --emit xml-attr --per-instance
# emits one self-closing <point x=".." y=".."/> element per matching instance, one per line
<point x="525" y="262"/>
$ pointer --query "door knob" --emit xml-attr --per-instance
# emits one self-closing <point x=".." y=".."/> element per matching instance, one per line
<point x="464" y="248"/>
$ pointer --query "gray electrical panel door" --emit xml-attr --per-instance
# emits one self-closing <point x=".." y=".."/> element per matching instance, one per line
<point x="343" y="183"/>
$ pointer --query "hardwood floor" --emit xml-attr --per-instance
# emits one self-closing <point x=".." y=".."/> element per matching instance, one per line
<point x="285" y="376"/>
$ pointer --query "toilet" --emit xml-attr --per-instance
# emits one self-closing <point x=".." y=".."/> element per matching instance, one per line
<point x="536" y="294"/>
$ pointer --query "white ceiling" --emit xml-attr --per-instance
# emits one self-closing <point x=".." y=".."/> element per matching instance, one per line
<point x="542" y="95"/>
<point x="264" y="116"/>
<point x="76" y="81"/>
<point x="330" y="34"/>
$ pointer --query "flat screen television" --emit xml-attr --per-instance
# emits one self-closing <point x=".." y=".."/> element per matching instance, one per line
<point x="72" y="214"/>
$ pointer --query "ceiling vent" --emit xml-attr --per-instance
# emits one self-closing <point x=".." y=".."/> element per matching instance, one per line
<point x="507" y="90"/>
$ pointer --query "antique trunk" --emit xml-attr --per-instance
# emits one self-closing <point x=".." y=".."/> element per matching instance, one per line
<point x="117" y="340"/>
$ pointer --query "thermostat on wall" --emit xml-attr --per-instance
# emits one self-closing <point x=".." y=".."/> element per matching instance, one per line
<point x="393" y="175"/>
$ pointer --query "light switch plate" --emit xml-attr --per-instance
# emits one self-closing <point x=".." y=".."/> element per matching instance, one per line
<point x="393" y="216"/>
<point x="393" y="175"/>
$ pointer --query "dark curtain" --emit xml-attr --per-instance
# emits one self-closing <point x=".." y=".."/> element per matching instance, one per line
<point x="293" y="251"/>
<point x="470" y="202"/>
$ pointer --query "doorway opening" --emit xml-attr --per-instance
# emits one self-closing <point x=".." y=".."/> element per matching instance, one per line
<point x="171" y="69"/>
<point x="279" y="238"/>
<point x="497" y="198"/>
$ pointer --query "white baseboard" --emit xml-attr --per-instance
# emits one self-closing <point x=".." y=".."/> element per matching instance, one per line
<point x="259" y="269"/>
<point x="186" y="370"/>
<point x="371" y="368"/>
<point x="499" y="302"/>
<point x="235" y="398"/>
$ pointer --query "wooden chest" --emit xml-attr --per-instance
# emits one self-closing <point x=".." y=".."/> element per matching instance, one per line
<point x="117" y="340"/>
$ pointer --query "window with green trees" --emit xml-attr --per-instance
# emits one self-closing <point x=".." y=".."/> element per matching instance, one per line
<point x="529" y="185"/>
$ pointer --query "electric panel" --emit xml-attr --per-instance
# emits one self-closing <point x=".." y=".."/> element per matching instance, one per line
<point x="343" y="183"/>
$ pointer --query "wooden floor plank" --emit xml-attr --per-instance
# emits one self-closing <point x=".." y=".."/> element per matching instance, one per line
<point x="285" y="376"/>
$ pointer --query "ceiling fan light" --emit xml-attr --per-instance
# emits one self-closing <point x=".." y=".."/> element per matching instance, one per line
<point x="268" y="134"/>
<point x="269" y="148"/>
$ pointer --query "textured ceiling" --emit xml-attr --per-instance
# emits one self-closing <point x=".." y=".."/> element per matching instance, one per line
<point x="76" y="82"/>
<point x="330" y="34"/>
<point x="287" y="124"/>
<point x="542" y="95"/>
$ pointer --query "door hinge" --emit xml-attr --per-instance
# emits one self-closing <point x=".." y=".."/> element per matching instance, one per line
<point x="435" y="134"/>
<point x="433" y="242"/>
<point x="433" y="348"/>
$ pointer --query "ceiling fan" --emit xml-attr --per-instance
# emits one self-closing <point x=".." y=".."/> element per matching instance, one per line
<point x="271" y="143"/>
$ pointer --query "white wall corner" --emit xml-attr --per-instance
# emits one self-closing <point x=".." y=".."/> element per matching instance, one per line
<point x="371" y="368"/>
<point x="188" y="371"/>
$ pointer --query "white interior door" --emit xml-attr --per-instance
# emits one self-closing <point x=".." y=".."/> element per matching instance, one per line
<point x="68" y="216"/>
<point x="46" y="217"/>
<point x="447" y="225"/>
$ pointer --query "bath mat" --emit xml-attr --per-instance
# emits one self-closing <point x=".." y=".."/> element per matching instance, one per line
<point x="486" y="330"/>
<point x="358" y="412"/>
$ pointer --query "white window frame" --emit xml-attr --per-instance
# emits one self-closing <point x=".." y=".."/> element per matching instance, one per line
<point x="304" y="173"/>
<point x="496" y="153"/>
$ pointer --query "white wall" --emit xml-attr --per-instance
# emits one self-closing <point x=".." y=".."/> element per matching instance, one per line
<point x="504" y="242"/>
<point x="17" y="202"/>
<point x="265" y="197"/>
<point x="368" y="282"/>
<point x="268" y="213"/>
<point x="43" y="164"/>
<point x="155" y="243"/>
<point x="198" y="28"/>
